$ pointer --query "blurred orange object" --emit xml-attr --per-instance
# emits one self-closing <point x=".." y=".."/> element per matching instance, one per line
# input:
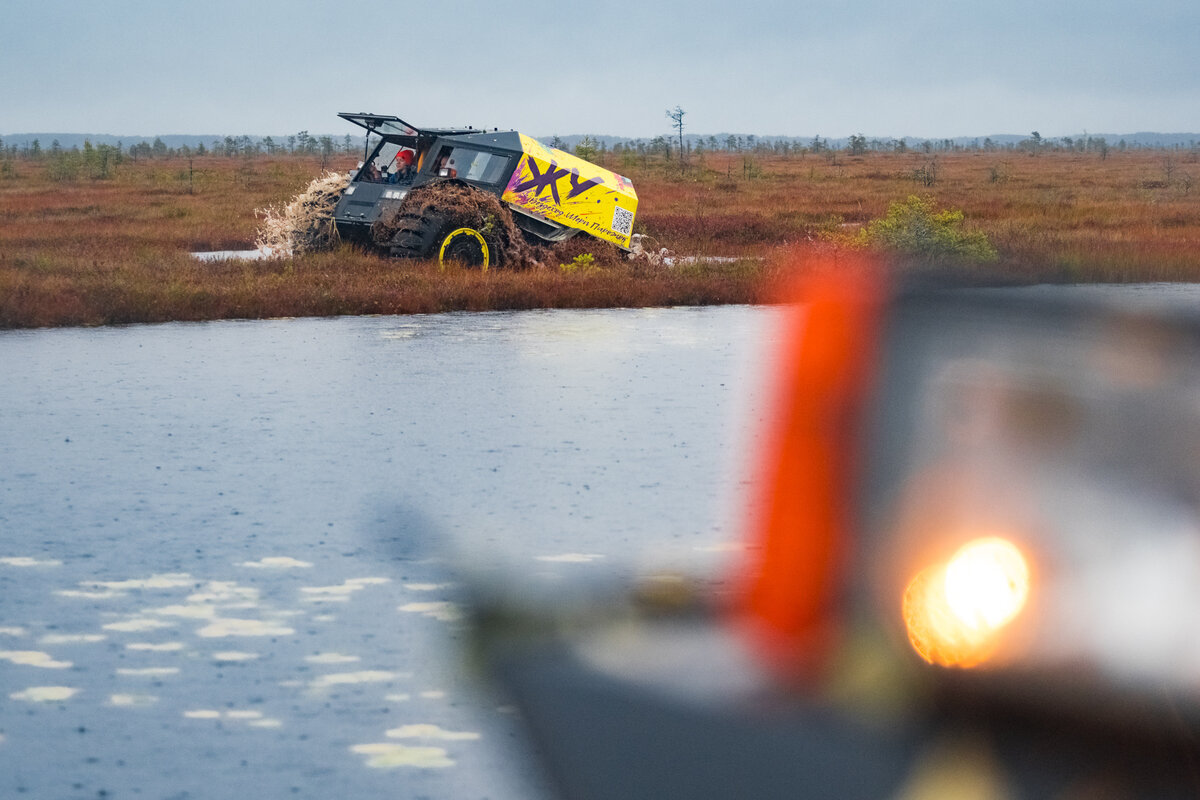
<point x="800" y="525"/>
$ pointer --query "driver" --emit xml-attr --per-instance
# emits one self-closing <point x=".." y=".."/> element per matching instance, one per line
<point x="402" y="166"/>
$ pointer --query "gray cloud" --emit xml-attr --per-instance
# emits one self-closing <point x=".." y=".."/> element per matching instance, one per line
<point x="930" y="69"/>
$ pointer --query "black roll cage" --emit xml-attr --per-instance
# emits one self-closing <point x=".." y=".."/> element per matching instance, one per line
<point x="394" y="129"/>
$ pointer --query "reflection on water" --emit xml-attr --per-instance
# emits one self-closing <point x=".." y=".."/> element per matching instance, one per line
<point x="440" y="610"/>
<point x="331" y="658"/>
<point x="164" y="647"/>
<point x="45" y="694"/>
<point x="32" y="658"/>
<point x="137" y="625"/>
<point x="26" y="561"/>
<point x="277" y="562"/>
<point x="222" y="628"/>
<point x="170" y="581"/>
<point x="426" y="731"/>
<point x="253" y="719"/>
<point x="197" y="620"/>
<point x="386" y="756"/>
<point x="571" y="558"/>
<point x="382" y="755"/>
<point x="187" y="611"/>
<point x="342" y="590"/>
<point x="428" y="587"/>
<point x="84" y="594"/>
<point x="363" y="676"/>
<point x="70" y="638"/>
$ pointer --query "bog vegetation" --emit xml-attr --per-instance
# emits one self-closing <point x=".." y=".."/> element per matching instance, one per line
<point x="102" y="235"/>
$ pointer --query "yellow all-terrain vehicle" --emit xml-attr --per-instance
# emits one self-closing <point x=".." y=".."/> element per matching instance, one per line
<point x="471" y="195"/>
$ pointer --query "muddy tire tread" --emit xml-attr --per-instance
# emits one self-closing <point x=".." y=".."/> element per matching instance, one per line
<point x="417" y="234"/>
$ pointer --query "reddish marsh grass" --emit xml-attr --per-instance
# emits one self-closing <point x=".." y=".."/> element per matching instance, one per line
<point x="93" y="252"/>
<point x="1053" y="216"/>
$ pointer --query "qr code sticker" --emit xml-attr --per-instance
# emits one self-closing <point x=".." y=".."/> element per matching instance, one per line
<point x="622" y="221"/>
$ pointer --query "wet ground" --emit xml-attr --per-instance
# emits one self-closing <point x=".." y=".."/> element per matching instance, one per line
<point x="229" y="552"/>
<point x="237" y="255"/>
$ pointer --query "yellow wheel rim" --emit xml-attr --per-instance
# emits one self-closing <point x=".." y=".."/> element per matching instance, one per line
<point x="469" y="234"/>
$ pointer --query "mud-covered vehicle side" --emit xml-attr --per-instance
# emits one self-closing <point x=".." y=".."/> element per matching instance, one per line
<point x="476" y="196"/>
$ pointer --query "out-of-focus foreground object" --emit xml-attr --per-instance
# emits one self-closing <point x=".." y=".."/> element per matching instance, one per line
<point x="1030" y="517"/>
<point x="973" y="572"/>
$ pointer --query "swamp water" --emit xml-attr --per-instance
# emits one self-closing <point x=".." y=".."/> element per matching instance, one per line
<point x="227" y="549"/>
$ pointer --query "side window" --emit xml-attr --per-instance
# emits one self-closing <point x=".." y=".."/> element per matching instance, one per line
<point x="494" y="170"/>
<point x="471" y="165"/>
<point x="482" y="166"/>
<point x="444" y="160"/>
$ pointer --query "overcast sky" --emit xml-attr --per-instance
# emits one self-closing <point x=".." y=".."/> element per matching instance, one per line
<point x="927" y="68"/>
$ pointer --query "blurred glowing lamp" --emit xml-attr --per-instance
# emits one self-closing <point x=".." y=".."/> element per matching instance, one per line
<point x="954" y="611"/>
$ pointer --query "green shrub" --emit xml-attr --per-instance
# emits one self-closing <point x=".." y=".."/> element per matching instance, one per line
<point x="64" y="166"/>
<point x="916" y="228"/>
<point x="584" y="262"/>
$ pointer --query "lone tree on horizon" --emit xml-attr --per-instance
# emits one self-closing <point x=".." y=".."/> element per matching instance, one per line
<point x="676" y="117"/>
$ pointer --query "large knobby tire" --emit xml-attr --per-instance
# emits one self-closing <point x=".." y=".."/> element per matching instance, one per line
<point x="415" y="236"/>
<point x="451" y="222"/>
<point x="466" y="246"/>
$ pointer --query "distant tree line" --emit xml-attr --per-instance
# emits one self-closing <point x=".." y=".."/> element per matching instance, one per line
<point x="90" y="161"/>
<point x="303" y="143"/>
<point x="97" y="161"/>
<point x="231" y="146"/>
<point x="858" y="144"/>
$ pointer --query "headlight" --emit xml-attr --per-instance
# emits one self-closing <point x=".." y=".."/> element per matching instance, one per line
<point x="1032" y="499"/>
<point x="956" y="611"/>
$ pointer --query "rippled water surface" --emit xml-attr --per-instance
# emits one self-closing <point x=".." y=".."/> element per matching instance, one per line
<point x="230" y="553"/>
<point x="227" y="549"/>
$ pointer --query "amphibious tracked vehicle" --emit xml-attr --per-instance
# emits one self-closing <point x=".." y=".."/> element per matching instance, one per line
<point x="465" y="194"/>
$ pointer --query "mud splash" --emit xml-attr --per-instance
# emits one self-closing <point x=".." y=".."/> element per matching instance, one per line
<point x="306" y="223"/>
